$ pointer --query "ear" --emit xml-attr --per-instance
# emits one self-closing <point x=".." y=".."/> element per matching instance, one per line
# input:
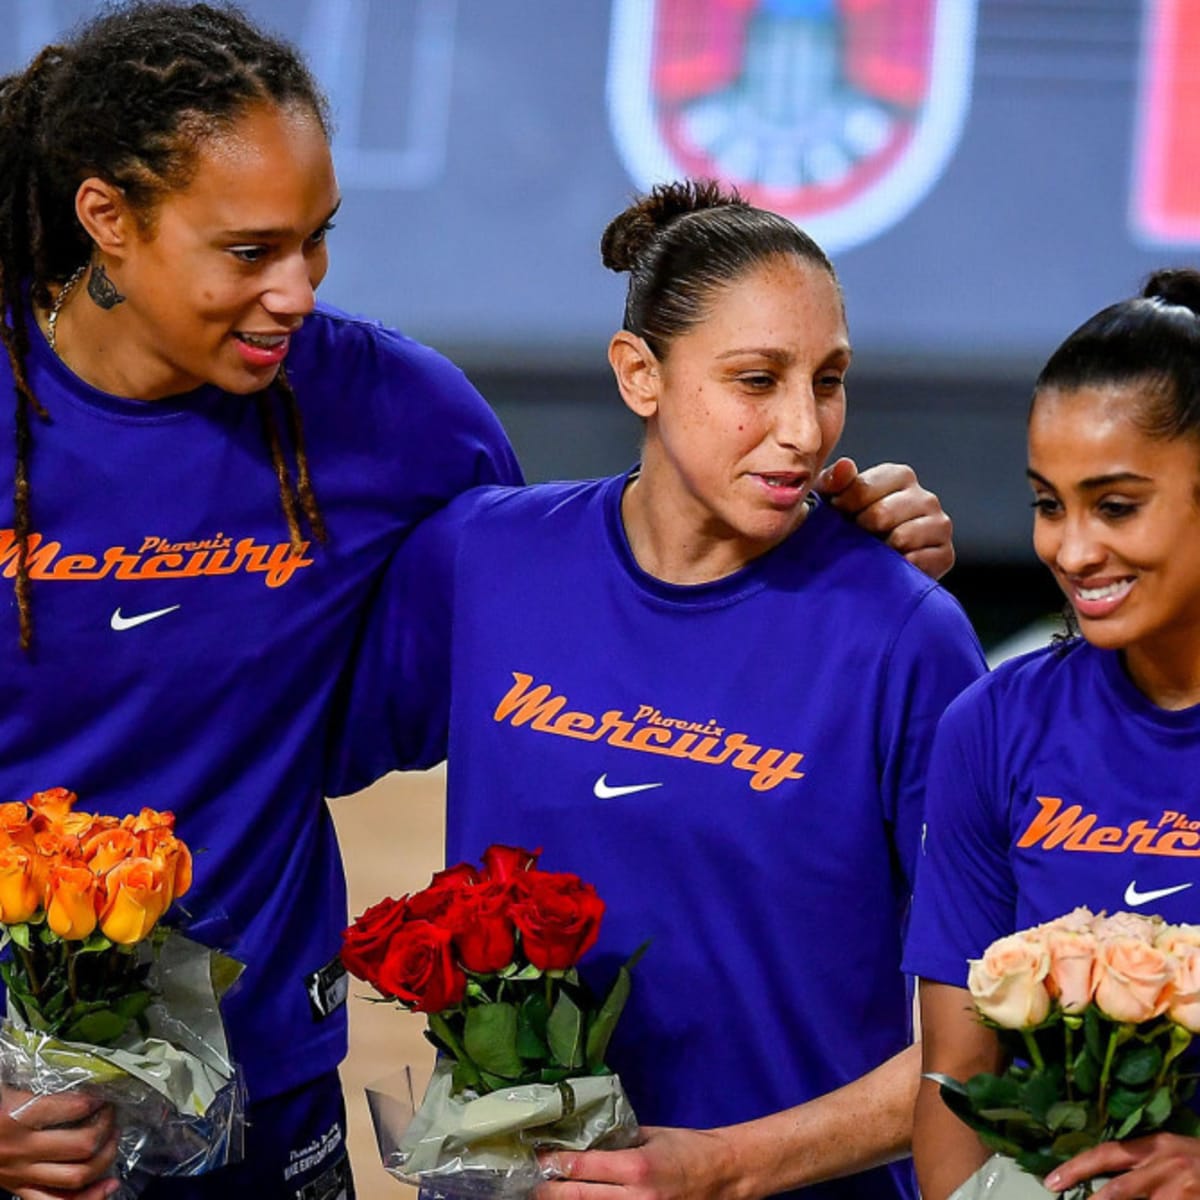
<point x="639" y="377"/>
<point x="105" y="215"/>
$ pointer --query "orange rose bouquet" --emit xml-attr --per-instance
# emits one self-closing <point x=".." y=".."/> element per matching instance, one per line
<point x="101" y="996"/>
<point x="1095" y="1013"/>
<point x="490" y="957"/>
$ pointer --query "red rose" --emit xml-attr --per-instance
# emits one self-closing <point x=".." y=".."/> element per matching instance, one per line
<point x="366" y="941"/>
<point x="503" y="863"/>
<point x="483" y="930"/>
<point x="558" y="916"/>
<point x="460" y="875"/>
<point x="419" y="969"/>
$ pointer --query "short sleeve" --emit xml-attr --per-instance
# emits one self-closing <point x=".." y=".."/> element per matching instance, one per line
<point x="392" y="709"/>
<point x="965" y="894"/>
<point x="934" y="657"/>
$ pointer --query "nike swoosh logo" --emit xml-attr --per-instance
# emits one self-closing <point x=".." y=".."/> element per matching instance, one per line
<point x="119" y="622"/>
<point x="603" y="791"/>
<point x="1134" y="898"/>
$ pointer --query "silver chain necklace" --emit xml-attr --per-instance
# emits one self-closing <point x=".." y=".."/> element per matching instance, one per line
<point x="59" y="300"/>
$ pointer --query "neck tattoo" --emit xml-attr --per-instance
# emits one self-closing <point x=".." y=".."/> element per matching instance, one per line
<point x="59" y="300"/>
<point x="102" y="289"/>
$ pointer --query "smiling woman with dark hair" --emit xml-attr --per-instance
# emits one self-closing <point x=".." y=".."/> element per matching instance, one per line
<point x="1068" y="777"/>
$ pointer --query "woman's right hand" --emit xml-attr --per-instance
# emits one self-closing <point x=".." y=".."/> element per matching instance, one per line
<point x="56" y="1146"/>
<point x="1164" y="1166"/>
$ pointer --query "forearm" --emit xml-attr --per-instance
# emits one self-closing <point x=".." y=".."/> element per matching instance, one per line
<point x="861" y="1125"/>
<point x="945" y="1151"/>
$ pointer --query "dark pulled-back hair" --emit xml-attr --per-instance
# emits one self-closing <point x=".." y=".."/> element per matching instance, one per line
<point x="130" y="98"/>
<point x="1151" y="341"/>
<point x="684" y="241"/>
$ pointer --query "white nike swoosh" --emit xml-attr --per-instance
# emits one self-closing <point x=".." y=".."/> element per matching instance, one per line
<point x="119" y="622"/>
<point x="603" y="791"/>
<point x="1134" y="898"/>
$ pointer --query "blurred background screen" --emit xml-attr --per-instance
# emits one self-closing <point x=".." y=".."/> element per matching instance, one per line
<point x="984" y="173"/>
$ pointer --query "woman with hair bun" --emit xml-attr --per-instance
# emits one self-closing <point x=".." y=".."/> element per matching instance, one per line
<point x="210" y="472"/>
<point x="700" y="688"/>
<point x="1101" y="730"/>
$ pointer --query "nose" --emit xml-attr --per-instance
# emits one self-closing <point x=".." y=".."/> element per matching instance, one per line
<point x="1077" y="549"/>
<point x="796" y="422"/>
<point x="292" y="287"/>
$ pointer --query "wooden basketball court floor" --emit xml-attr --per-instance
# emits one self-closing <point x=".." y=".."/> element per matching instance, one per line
<point x="391" y="839"/>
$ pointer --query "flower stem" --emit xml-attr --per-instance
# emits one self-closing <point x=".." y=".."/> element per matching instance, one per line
<point x="1069" y="1038"/>
<point x="1035" y="1052"/>
<point x="1119" y="1034"/>
<point x="442" y="1029"/>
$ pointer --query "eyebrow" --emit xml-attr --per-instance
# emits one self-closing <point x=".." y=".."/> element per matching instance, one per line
<point x="783" y="357"/>
<point x="255" y="235"/>
<point x="1095" y="481"/>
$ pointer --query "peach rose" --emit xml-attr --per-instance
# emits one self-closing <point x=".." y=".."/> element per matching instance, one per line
<point x="71" y="902"/>
<point x="1008" y="982"/>
<point x="1127" y="924"/>
<point x="20" y="896"/>
<point x="136" y="896"/>
<point x="1078" y="920"/>
<point x="1134" y="980"/>
<point x="1174" y="938"/>
<point x="1185" y="1002"/>
<point x="1071" y="979"/>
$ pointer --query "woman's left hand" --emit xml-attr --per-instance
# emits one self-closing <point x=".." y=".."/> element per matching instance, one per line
<point x="670" y="1164"/>
<point x="1164" y="1166"/>
<point x="889" y="501"/>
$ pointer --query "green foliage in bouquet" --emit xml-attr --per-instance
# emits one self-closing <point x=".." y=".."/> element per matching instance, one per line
<point x="490" y="957"/>
<point x="1093" y="1014"/>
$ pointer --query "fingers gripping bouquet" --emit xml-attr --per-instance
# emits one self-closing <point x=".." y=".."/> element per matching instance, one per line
<point x="1095" y="1014"/>
<point x="490" y="957"/>
<point x="101" y="997"/>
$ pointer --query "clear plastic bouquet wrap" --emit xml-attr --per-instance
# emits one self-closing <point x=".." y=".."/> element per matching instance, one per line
<point x="1095" y="1014"/>
<point x="101" y="998"/>
<point x="490" y="957"/>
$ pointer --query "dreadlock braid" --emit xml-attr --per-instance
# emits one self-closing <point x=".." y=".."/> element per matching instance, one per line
<point x="129" y="99"/>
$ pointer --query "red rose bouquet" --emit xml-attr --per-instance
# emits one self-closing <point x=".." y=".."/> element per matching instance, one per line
<point x="490" y="957"/>
<point x="101" y="996"/>
<point x="1095" y="1014"/>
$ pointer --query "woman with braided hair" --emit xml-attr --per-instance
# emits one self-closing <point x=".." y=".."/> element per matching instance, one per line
<point x="188" y="573"/>
<point x="211" y="472"/>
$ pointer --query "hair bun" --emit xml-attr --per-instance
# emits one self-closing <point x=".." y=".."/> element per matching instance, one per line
<point x="1175" y="285"/>
<point x="629" y="234"/>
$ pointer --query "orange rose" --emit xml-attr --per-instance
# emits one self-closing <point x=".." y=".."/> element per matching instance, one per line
<point x="58" y="846"/>
<point x="15" y="824"/>
<point x="1071" y="979"/>
<point x="174" y="860"/>
<point x="107" y="847"/>
<point x="1185" y="1001"/>
<point x="137" y="896"/>
<point x="149" y="819"/>
<point x="51" y="805"/>
<point x="1134" y="980"/>
<point x="71" y="907"/>
<point x="20" y="896"/>
<point x="1008" y="982"/>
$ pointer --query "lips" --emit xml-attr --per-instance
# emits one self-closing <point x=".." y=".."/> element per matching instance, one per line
<point x="262" y="349"/>
<point x="1098" y="598"/>
<point x="783" y="488"/>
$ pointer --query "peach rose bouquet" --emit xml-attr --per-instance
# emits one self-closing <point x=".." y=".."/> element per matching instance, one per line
<point x="489" y="955"/>
<point x="1095" y="1013"/>
<point x="101" y="995"/>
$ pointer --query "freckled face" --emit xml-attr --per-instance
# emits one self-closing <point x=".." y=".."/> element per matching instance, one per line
<point x="751" y="402"/>
<point x="230" y="266"/>
<point x="1117" y="520"/>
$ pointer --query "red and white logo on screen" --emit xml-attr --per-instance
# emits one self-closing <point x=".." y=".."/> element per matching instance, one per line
<point x="840" y="114"/>
<point x="1166" y="160"/>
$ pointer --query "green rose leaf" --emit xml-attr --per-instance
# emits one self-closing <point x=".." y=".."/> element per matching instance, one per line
<point x="564" y="1032"/>
<point x="1128" y="1125"/>
<point x="490" y="1038"/>
<point x="1138" y="1064"/>
<point x="1087" y="1073"/>
<point x="1125" y="1101"/>
<point x="100" y="1028"/>
<point x="1065" y="1116"/>
<point x="531" y="1028"/>
<point x="1159" y="1108"/>
<point x="993" y="1091"/>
